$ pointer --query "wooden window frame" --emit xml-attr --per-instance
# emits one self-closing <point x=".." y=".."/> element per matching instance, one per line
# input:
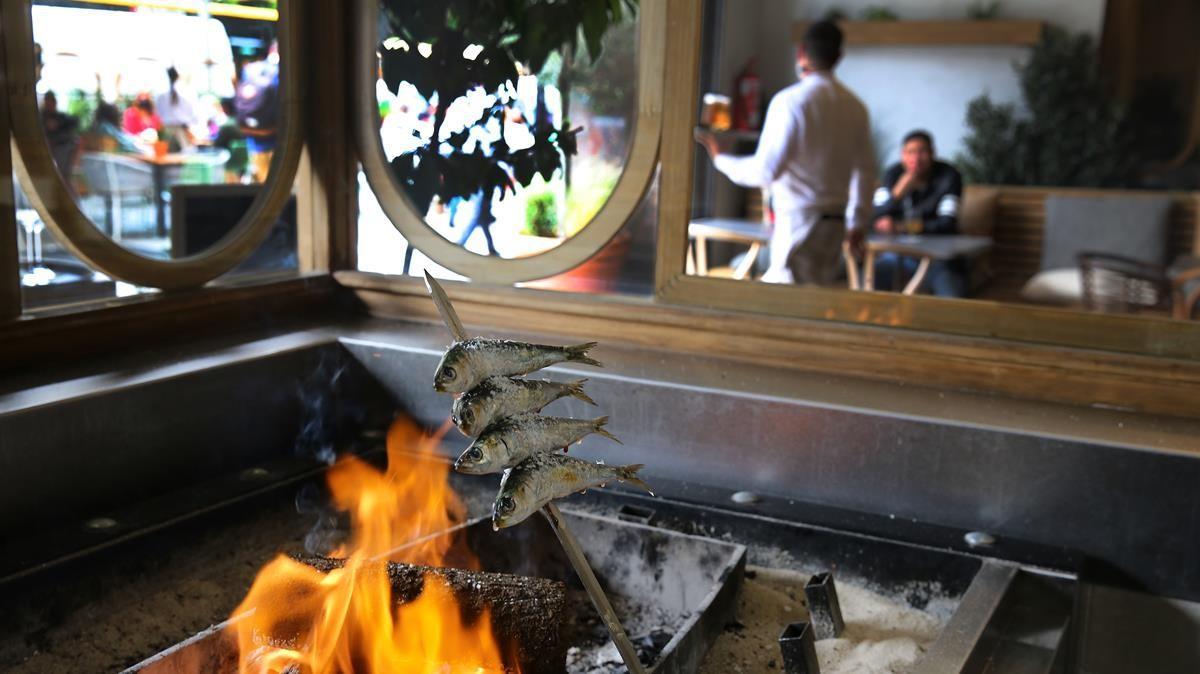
<point x="635" y="179"/>
<point x="311" y="160"/>
<point x="974" y="318"/>
<point x="47" y="189"/>
<point x="1150" y="370"/>
<point x="1135" y="364"/>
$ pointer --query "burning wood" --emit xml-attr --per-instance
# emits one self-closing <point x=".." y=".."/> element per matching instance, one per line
<point x="336" y="616"/>
<point x="529" y="616"/>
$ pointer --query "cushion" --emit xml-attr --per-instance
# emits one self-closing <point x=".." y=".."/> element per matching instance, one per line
<point x="1054" y="286"/>
<point x="1133" y="226"/>
<point x="978" y="213"/>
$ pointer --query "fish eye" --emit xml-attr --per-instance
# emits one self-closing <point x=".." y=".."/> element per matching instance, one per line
<point x="473" y="454"/>
<point x="447" y="372"/>
<point x="505" y="505"/>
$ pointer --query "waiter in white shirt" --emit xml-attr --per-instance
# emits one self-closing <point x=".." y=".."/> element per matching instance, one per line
<point x="816" y="157"/>
<point x="177" y="110"/>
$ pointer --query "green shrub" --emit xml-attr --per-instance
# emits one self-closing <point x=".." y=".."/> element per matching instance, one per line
<point x="541" y="214"/>
<point x="1071" y="133"/>
<point x="983" y="11"/>
<point x="879" y="13"/>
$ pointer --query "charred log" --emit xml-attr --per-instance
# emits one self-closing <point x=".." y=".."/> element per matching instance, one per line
<point x="529" y="616"/>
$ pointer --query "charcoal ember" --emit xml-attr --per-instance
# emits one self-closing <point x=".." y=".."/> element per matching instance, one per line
<point x="529" y="616"/>
<point x="653" y="641"/>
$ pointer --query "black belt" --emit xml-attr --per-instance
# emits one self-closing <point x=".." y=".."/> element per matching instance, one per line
<point x="832" y="216"/>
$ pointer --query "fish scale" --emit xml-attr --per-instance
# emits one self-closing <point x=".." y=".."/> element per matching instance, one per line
<point x="510" y="441"/>
<point x="546" y="476"/>
<point x="468" y="362"/>
<point x="499" y="397"/>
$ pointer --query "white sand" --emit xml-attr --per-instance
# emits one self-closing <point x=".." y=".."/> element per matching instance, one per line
<point x="882" y="636"/>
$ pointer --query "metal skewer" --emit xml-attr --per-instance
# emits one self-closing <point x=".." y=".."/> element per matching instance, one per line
<point x="583" y="569"/>
<point x="599" y="599"/>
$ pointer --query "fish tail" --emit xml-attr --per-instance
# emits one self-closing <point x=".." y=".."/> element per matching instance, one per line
<point x="599" y="429"/>
<point x="575" y="390"/>
<point x="629" y="474"/>
<point x="578" y="354"/>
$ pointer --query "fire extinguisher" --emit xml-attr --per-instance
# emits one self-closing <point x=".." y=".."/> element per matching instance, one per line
<point x="747" y="112"/>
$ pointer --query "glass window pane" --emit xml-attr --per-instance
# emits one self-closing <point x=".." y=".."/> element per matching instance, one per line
<point x="532" y="128"/>
<point x="625" y="265"/>
<point x="162" y="122"/>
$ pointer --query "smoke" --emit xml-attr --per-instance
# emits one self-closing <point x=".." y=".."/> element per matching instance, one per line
<point x="331" y="528"/>
<point x="318" y="394"/>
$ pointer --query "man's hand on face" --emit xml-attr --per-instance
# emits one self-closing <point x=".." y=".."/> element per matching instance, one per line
<point x="906" y="182"/>
<point x="885" y="225"/>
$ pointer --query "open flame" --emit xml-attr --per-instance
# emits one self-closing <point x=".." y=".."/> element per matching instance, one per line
<point x="303" y="621"/>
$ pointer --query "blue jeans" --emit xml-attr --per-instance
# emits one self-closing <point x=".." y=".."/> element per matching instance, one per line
<point x="945" y="278"/>
<point x="483" y="220"/>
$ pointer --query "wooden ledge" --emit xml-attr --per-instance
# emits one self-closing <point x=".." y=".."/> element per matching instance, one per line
<point x="1019" y="369"/>
<point x="1000" y="32"/>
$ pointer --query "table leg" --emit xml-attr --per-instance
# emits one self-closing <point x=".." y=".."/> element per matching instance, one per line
<point x="743" y="270"/>
<point x="919" y="276"/>
<point x="851" y="267"/>
<point x="160" y="206"/>
<point x="690" y="268"/>
<point x="869" y="270"/>
<point x="701" y="256"/>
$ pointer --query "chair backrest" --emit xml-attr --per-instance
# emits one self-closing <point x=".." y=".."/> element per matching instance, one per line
<point x="977" y="216"/>
<point x="1134" y="227"/>
<point x="114" y="175"/>
<point x="1117" y="284"/>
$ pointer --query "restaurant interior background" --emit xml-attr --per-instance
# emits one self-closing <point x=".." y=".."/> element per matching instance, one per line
<point x="313" y="160"/>
<point x="1039" y="105"/>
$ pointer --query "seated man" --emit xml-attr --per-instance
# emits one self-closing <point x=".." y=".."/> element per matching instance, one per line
<point x="920" y="195"/>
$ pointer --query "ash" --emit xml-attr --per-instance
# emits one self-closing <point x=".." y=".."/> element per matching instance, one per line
<point x="649" y="628"/>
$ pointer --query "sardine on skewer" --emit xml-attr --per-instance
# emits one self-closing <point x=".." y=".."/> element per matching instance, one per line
<point x="544" y="477"/>
<point x="509" y="441"/>
<point x="470" y="361"/>
<point x="498" y="397"/>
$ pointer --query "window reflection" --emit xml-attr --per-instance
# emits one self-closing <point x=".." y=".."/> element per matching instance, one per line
<point x="532" y="130"/>
<point x="1044" y="157"/>
<point x="139" y="104"/>
<point x="625" y="265"/>
<point x="163" y="123"/>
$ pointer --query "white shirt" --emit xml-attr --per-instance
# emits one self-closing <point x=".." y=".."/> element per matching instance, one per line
<point x="816" y="156"/>
<point x="181" y="112"/>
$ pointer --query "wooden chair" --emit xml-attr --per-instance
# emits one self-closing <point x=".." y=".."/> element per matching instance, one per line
<point x="1117" y="284"/>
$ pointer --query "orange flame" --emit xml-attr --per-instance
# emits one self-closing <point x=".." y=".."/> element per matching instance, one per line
<point x="303" y="621"/>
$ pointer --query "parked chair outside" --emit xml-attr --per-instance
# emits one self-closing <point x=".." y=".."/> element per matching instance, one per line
<point x="120" y="181"/>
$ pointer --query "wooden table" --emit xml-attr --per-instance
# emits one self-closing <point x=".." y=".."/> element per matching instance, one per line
<point x="925" y="247"/>
<point x="734" y="230"/>
<point x="160" y="166"/>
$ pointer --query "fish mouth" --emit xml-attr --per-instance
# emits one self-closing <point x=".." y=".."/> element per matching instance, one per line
<point x="467" y="468"/>
<point x="439" y="387"/>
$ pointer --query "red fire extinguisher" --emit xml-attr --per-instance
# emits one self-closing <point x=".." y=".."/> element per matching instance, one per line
<point x="747" y="112"/>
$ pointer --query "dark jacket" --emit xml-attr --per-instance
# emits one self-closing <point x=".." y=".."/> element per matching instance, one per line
<point x="937" y="204"/>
